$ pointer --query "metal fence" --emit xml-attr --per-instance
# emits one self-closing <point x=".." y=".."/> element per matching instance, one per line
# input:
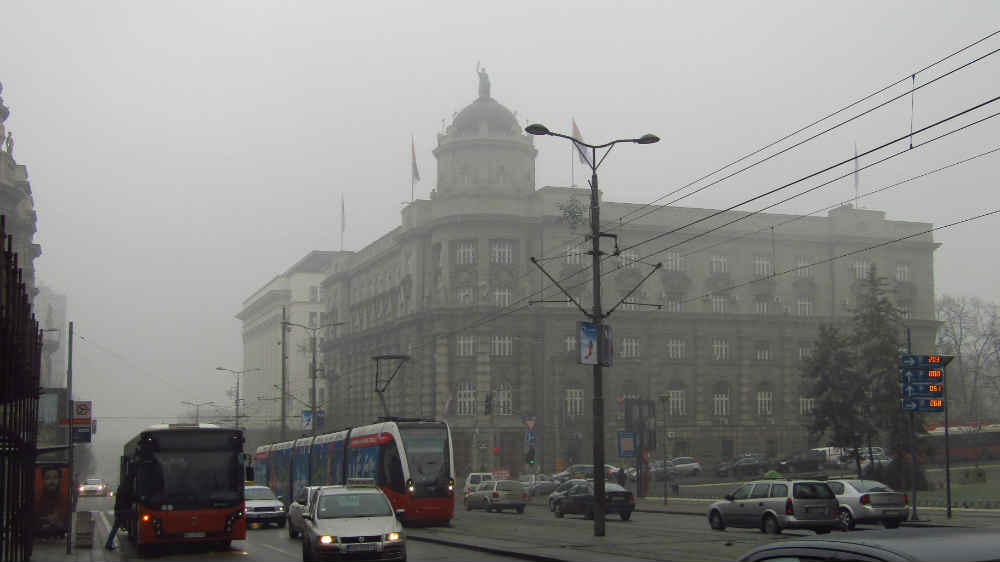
<point x="20" y="368"/>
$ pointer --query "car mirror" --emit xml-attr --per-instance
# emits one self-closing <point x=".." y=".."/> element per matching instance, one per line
<point x="729" y="497"/>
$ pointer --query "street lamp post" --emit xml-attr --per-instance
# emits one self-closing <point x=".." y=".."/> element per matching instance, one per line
<point x="596" y="315"/>
<point x="197" y="408"/>
<point x="312" y="368"/>
<point x="236" y="413"/>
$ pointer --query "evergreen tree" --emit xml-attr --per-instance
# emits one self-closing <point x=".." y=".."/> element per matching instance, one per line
<point x="840" y="410"/>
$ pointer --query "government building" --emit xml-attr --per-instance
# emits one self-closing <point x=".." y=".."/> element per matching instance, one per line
<point x="716" y="336"/>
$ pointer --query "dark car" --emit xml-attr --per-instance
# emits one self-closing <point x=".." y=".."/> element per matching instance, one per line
<point x="580" y="500"/>
<point x="561" y="490"/>
<point x="805" y="461"/>
<point x="950" y="544"/>
<point x="747" y="466"/>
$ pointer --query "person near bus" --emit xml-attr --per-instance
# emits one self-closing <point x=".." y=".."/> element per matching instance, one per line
<point x="123" y="503"/>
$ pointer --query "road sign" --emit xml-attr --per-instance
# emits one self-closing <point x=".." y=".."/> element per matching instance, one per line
<point x="530" y="437"/>
<point x="81" y="433"/>
<point x="907" y="376"/>
<point x="626" y="444"/>
<point x="928" y="405"/>
<point x="922" y="390"/>
<point x="82" y="409"/>
<point x="919" y="361"/>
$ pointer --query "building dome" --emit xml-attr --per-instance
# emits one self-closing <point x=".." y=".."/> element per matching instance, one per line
<point x="488" y="112"/>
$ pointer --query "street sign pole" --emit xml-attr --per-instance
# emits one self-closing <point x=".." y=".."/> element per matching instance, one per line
<point x="947" y="448"/>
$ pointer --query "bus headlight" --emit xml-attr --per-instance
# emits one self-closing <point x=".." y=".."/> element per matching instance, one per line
<point x="392" y="537"/>
<point x="327" y="539"/>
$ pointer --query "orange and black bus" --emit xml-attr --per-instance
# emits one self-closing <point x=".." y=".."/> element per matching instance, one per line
<point x="187" y="482"/>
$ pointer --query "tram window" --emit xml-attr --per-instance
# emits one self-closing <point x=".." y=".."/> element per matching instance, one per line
<point x="390" y="468"/>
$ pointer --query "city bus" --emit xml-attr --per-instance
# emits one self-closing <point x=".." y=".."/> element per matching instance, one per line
<point x="187" y="482"/>
<point x="968" y="443"/>
<point x="411" y="461"/>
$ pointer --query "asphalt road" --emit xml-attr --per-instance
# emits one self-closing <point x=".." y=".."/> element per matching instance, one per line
<point x="265" y="544"/>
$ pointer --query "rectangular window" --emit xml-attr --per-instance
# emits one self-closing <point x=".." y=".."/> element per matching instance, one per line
<point x="720" y="349"/>
<point x="720" y="404"/>
<point x="504" y="402"/>
<point x="313" y="294"/>
<point x="570" y="342"/>
<point x="902" y="272"/>
<point x="761" y="303"/>
<point x="806" y="406"/>
<point x="805" y="351"/>
<point x="574" y="255"/>
<point x="804" y="307"/>
<point x="574" y="402"/>
<point x="676" y="349"/>
<point x="466" y="400"/>
<point x="718" y="264"/>
<point x="803" y="267"/>
<point x="466" y="346"/>
<point x="466" y="253"/>
<point x="719" y="303"/>
<point x="861" y="270"/>
<point x="630" y="347"/>
<point x="762" y="351"/>
<point x="764" y="402"/>
<point x="904" y="311"/>
<point x="673" y="303"/>
<point x="501" y="296"/>
<point x="312" y="319"/>
<point x="762" y="266"/>
<point x="629" y="305"/>
<point x="628" y="259"/>
<point x="502" y="251"/>
<point x="674" y="261"/>
<point x="501" y="346"/>
<point x="677" y="403"/>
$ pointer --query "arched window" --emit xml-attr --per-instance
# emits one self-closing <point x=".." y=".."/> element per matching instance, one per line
<point x="720" y="399"/>
<point x="466" y="399"/>
<point x="504" y="400"/>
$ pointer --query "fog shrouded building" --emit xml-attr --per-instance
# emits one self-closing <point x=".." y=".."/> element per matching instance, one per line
<point x="17" y="205"/>
<point x="450" y="287"/>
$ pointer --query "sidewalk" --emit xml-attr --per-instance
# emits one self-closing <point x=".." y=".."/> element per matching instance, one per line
<point x="54" y="550"/>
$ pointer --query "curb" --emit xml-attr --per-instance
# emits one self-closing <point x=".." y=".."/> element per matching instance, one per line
<point x="487" y="549"/>
<point x="668" y="512"/>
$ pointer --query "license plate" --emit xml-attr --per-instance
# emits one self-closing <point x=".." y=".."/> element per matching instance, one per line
<point x="617" y="499"/>
<point x="360" y="547"/>
<point x="196" y="535"/>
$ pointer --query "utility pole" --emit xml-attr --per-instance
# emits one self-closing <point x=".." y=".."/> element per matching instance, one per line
<point x="312" y="368"/>
<point x="315" y="417"/>
<point x="284" y="372"/>
<point x="236" y="412"/>
<point x="71" y="500"/>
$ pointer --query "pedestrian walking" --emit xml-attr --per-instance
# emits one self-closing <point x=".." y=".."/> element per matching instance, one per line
<point x="123" y="504"/>
<point x="620" y="477"/>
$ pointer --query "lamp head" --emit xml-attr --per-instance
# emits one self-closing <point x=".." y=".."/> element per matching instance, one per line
<point x="537" y="129"/>
<point x="648" y="138"/>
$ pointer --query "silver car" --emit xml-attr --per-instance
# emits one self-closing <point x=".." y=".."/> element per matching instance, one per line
<point x="868" y="501"/>
<point x="773" y="505"/>
<point x="497" y="495"/>
<point x="263" y="506"/>
<point x="352" y="521"/>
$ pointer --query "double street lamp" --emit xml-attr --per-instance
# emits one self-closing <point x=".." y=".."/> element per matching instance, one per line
<point x="312" y="368"/>
<point x="596" y="315"/>
<point x="236" y="413"/>
<point x="197" y="408"/>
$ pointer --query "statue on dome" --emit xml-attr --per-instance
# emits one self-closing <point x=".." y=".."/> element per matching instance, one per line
<point x="9" y="144"/>
<point x="484" y="82"/>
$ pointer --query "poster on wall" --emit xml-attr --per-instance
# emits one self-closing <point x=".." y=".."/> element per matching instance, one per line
<point x="51" y="499"/>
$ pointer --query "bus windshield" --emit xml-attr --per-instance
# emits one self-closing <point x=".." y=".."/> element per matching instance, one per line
<point x="428" y="457"/>
<point x="191" y="479"/>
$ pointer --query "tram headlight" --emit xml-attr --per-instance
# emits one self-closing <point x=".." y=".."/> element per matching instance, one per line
<point x="410" y="486"/>
<point x="451" y="484"/>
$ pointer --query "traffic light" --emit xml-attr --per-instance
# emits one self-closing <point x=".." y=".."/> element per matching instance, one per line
<point x="529" y="457"/>
<point x="496" y="450"/>
<point x="488" y="403"/>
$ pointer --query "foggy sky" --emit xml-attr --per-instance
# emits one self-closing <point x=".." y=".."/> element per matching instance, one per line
<point x="182" y="154"/>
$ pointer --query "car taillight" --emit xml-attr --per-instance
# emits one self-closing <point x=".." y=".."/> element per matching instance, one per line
<point x="789" y="507"/>
<point x="865" y="499"/>
<point x="906" y="499"/>
<point x="631" y="499"/>
<point x="496" y="495"/>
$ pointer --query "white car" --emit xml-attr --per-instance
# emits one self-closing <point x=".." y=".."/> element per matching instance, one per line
<point x="95" y="487"/>
<point x="356" y="519"/>
<point x="474" y="479"/>
<point x="685" y="466"/>
<point x="263" y="506"/>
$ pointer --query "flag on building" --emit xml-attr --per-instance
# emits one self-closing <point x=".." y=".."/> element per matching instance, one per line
<point x="581" y="151"/>
<point x="415" y="173"/>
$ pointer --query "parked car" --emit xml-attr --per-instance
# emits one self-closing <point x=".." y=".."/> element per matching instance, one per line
<point x="804" y="461"/>
<point x="355" y="521"/>
<point x="661" y="470"/>
<point x="474" y="479"/>
<point x="686" y="466"/>
<point x="868" y="501"/>
<point x="881" y="460"/>
<point x="299" y="507"/>
<point x="537" y="484"/>
<point x="580" y="500"/>
<point x="773" y="505"/>
<point x="742" y="467"/>
<point x="497" y="495"/>
<point x="561" y="490"/>
<point x="95" y="487"/>
<point x="575" y="471"/>
<point x="262" y="506"/>
<point x="951" y="544"/>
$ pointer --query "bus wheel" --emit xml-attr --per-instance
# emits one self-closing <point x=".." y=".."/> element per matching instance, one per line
<point x="224" y="545"/>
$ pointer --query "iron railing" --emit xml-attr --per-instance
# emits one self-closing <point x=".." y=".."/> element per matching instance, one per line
<point x="20" y="368"/>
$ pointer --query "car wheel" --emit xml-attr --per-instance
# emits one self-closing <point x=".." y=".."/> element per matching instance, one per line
<point x="846" y="519"/>
<point x="715" y="521"/>
<point x="890" y="523"/>
<point x="771" y="526"/>
<point x="520" y="509"/>
<point x="557" y="510"/>
<point x="625" y="515"/>
<point x="696" y="472"/>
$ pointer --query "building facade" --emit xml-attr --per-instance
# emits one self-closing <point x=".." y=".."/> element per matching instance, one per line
<point x="297" y="290"/>
<point x="16" y="204"/>
<point x="50" y="310"/>
<point x="735" y="313"/>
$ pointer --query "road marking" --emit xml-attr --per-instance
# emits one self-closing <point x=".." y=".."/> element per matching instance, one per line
<point x="107" y="529"/>
<point x="276" y="549"/>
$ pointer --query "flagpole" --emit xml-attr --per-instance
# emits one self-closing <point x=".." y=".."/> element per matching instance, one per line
<point x="572" y="172"/>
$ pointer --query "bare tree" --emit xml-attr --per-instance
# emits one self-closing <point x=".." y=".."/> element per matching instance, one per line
<point x="969" y="331"/>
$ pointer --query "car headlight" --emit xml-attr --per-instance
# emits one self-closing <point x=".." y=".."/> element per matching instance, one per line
<point x="327" y="539"/>
<point x="392" y="537"/>
<point x="281" y="508"/>
<point x="81" y="488"/>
